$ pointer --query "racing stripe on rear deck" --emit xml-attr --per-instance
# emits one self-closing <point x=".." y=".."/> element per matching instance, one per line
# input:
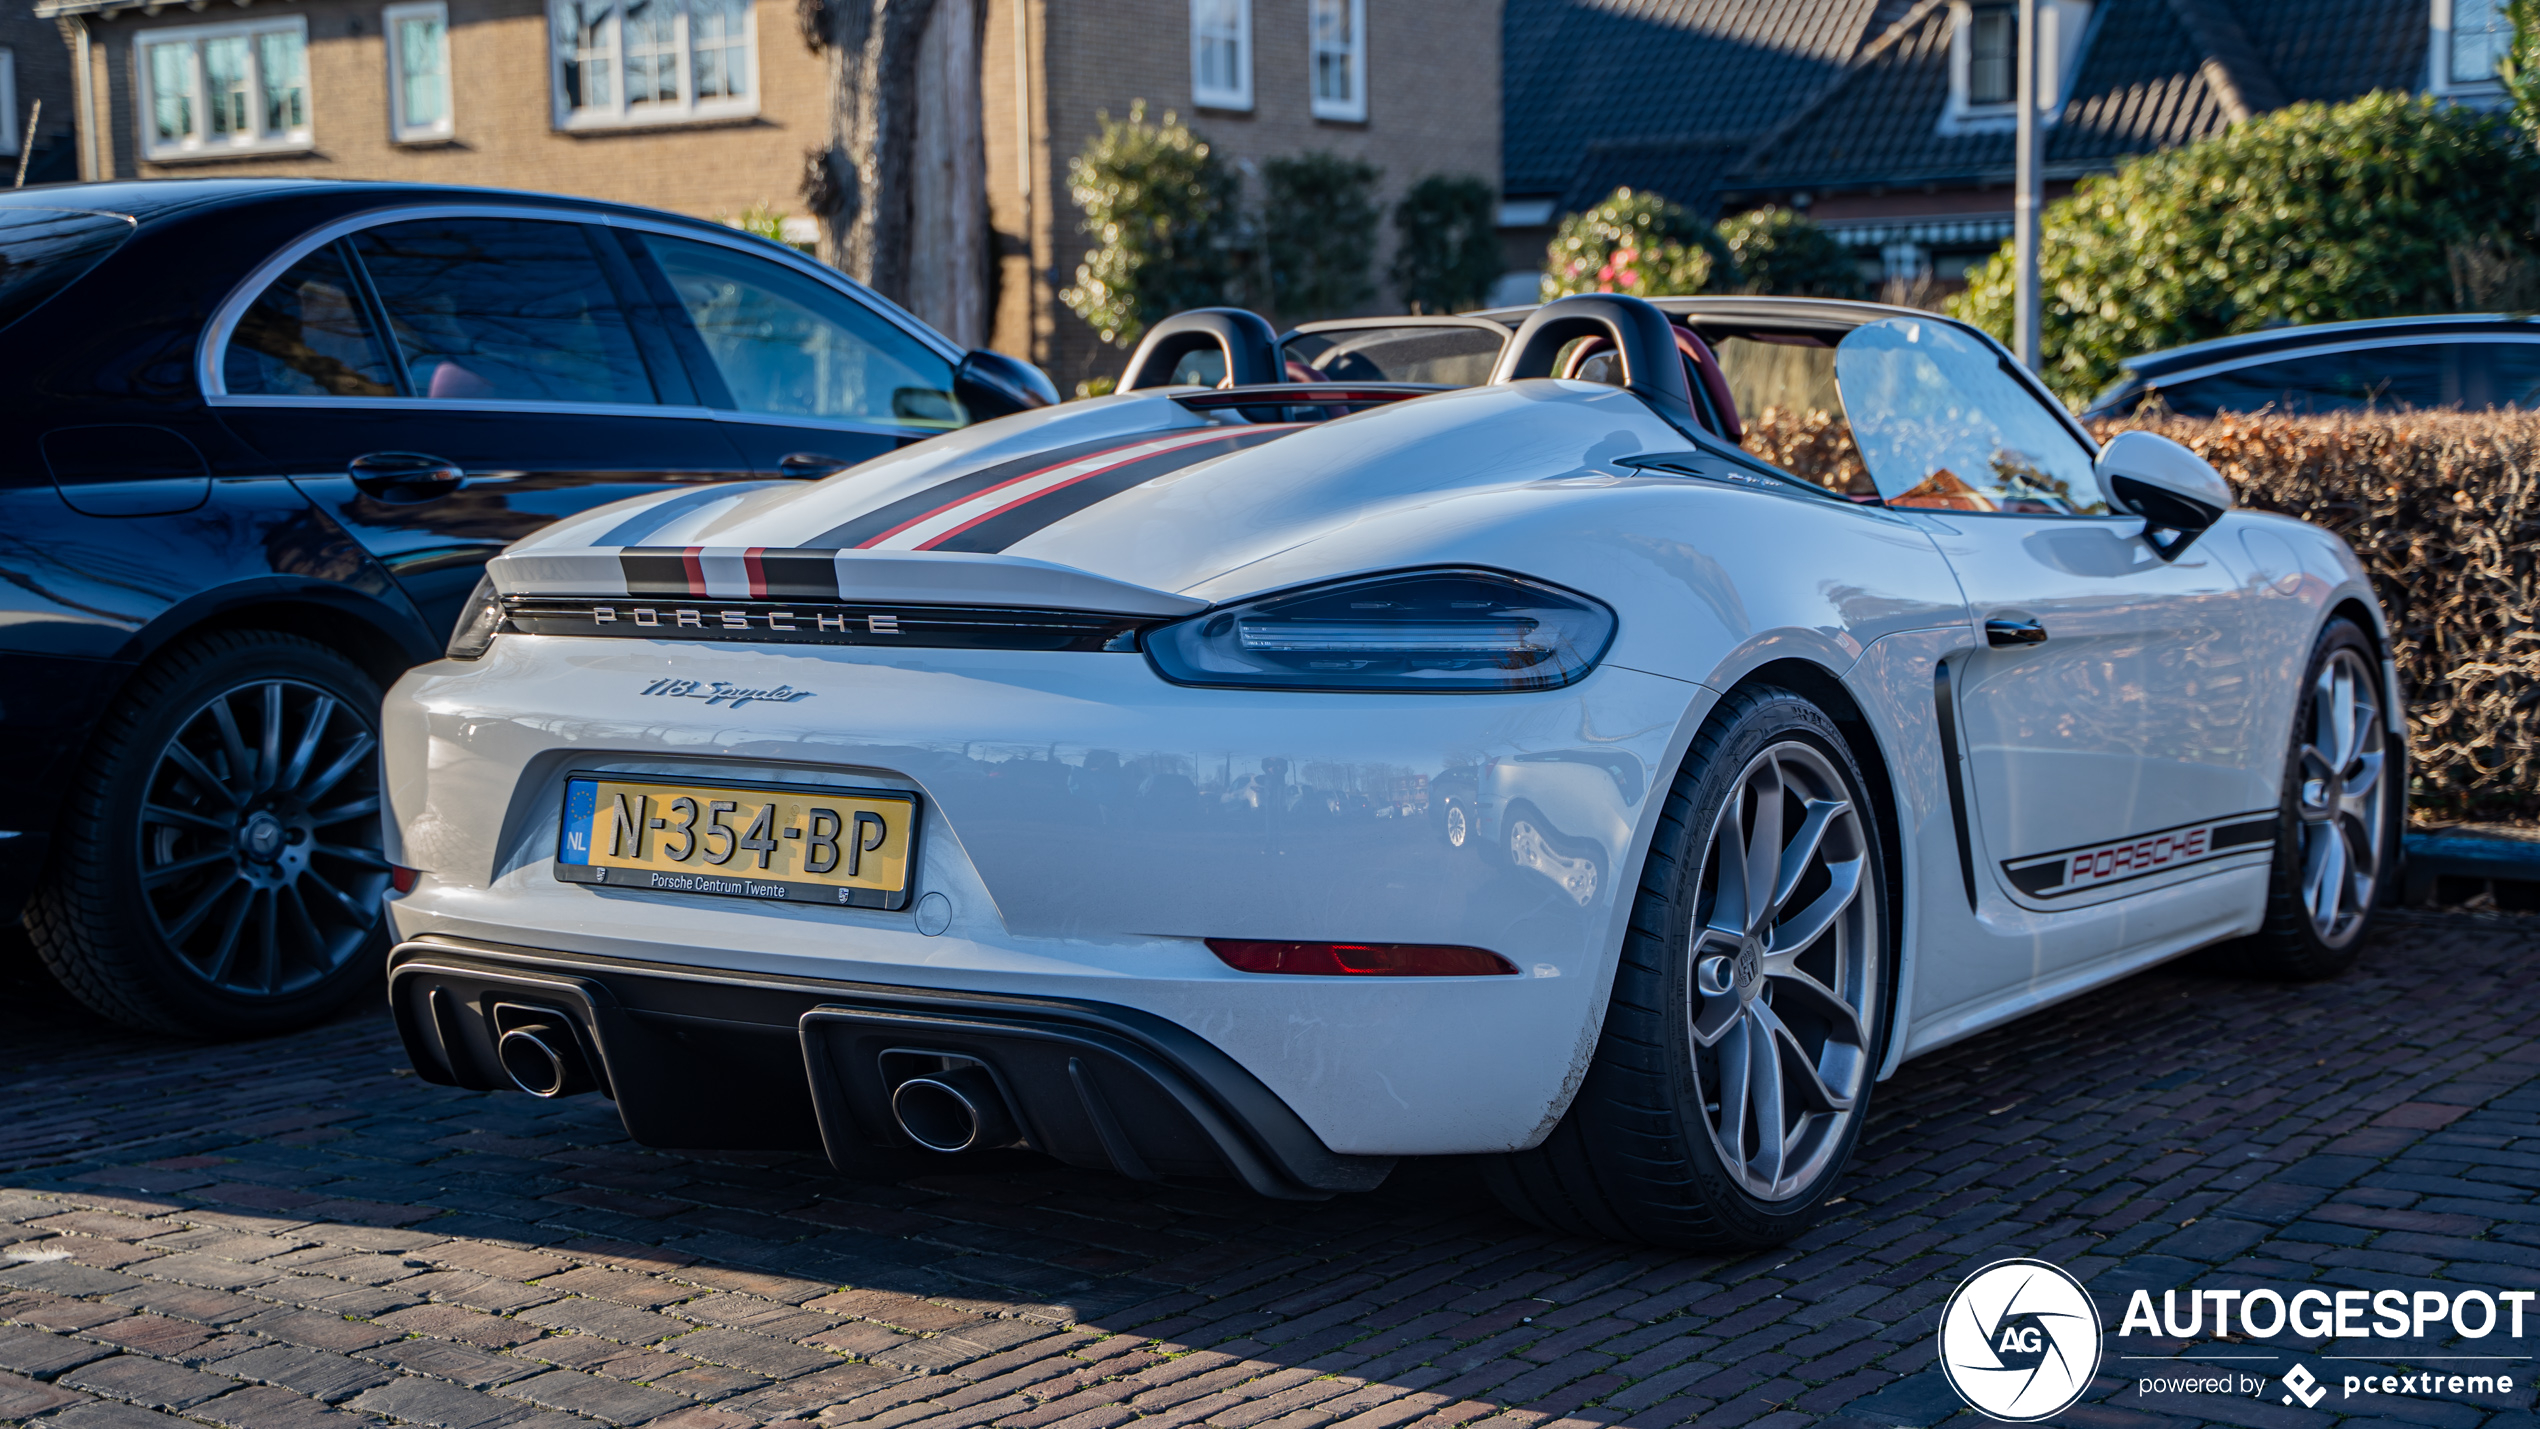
<point x="730" y="572"/>
<point x="896" y="525"/>
<point x="1044" y="505"/>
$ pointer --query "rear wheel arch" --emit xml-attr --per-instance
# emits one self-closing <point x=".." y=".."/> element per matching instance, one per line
<point x="1822" y="688"/>
<point x="383" y="639"/>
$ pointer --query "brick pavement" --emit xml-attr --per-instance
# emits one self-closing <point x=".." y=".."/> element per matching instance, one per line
<point x="300" y="1233"/>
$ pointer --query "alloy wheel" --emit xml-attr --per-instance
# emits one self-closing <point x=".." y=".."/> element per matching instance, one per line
<point x="2342" y="799"/>
<point x="1784" y="973"/>
<point x="259" y="853"/>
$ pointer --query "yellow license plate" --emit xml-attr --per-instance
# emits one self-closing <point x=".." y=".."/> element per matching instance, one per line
<point x="796" y="843"/>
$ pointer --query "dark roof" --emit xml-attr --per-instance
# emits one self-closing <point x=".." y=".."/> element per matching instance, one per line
<point x="2152" y="74"/>
<point x="1664" y="78"/>
<point x="1685" y="170"/>
<point x="2284" y="339"/>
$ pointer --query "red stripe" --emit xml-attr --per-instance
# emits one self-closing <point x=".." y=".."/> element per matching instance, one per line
<point x="696" y="569"/>
<point x="926" y="516"/>
<point x="758" y="572"/>
<point x="1026" y="501"/>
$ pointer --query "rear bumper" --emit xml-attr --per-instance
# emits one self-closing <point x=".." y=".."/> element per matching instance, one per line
<point x="746" y="1061"/>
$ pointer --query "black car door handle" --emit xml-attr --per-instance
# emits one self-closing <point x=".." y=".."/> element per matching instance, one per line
<point x="404" y="478"/>
<point x="2022" y="631"/>
<point x="811" y="466"/>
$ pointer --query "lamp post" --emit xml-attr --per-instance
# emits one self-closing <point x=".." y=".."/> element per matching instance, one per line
<point x="2024" y="203"/>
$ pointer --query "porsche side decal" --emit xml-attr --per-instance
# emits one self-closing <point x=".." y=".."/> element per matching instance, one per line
<point x="2077" y="870"/>
<point x="967" y="512"/>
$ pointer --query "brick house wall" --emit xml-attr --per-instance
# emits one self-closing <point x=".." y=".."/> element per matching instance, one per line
<point x="41" y="66"/>
<point x="1433" y="106"/>
<point x="504" y="132"/>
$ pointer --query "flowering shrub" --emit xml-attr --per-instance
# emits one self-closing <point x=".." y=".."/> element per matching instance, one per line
<point x="1636" y="243"/>
<point x="1163" y="206"/>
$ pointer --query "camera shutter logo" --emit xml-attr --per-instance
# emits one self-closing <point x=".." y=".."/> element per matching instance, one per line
<point x="2019" y="1340"/>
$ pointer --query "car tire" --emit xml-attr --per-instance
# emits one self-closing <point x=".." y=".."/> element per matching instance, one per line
<point x="218" y="870"/>
<point x="1649" y="1150"/>
<point x="2339" y="819"/>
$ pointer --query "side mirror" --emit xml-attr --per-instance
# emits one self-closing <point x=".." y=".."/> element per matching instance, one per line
<point x="991" y="384"/>
<point x="2176" y="492"/>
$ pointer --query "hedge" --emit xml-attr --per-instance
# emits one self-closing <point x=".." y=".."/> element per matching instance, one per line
<point x="2443" y="508"/>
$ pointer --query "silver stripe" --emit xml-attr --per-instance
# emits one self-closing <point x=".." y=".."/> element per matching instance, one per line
<point x="633" y="530"/>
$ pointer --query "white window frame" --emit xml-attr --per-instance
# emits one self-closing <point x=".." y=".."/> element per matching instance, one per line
<point x="200" y="144"/>
<point x="1237" y="96"/>
<point x="391" y="20"/>
<point x="1351" y="107"/>
<point x="688" y="109"/>
<point x="2061" y="26"/>
<point x="10" y="140"/>
<point x="2439" y="59"/>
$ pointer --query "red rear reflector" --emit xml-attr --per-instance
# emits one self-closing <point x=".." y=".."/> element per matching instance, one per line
<point x="403" y="879"/>
<point x="1360" y="959"/>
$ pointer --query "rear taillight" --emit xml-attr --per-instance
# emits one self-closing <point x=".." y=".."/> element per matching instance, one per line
<point x="402" y="879"/>
<point x="1360" y="959"/>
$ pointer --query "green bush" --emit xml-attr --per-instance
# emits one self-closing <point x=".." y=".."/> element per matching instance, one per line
<point x="2521" y="69"/>
<point x="1779" y="251"/>
<point x="2310" y="214"/>
<point x="1164" y="209"/>
<point x="1318" y="227"/>
<point x="1446" y="252"/>
<point x="1636" y="243"/>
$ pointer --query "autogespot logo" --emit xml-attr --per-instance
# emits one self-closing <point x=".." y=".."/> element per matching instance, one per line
<point x="2019" y="1340"/>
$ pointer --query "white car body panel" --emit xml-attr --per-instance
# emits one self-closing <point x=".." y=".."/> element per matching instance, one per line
<point x="1090" y="822"/>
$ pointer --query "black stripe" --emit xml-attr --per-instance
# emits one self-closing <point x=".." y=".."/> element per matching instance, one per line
<point x="2255" y="831"/>
<point x="860" y="529"/>
<point x="1944" y="700"/>
<point x="800" y="575"/>
<point x="658" y="571"/>
<point x="1006" y="528"/>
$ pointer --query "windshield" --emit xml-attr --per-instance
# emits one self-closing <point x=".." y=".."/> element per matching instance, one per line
<point x="1453" y="356"/>
<point x="42" y="250"/>
<point x="1942" y="426"/>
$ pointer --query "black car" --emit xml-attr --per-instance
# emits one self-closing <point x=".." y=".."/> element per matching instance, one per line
<point x="256" y="440"/>
<point x="2465" y="361"/>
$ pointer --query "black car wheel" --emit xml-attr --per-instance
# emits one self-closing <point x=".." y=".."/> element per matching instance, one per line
<point x="220" y="872"/>
<point x="1750" y="1008"/>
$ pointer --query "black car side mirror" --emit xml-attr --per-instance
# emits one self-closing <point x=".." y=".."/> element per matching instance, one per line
<point x="2176" y="492"/>
<point x="991" y="384"/>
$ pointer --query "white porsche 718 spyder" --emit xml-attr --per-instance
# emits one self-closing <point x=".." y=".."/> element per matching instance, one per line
<point x="1275" y="779"/>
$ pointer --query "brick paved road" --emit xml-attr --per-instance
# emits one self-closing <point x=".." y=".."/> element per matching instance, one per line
<point x="298" y="1233"/>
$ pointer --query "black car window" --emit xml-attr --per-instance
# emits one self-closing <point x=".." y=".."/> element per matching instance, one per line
<point x="308" y="335"/>
<point x="2500" y="374"/>
<point x="43" y="250"/>
<point x="2419" y="375"/>
<point x="788" y="345"/>
<point x="1942" y="425"/>
<point x="503" y="309"/>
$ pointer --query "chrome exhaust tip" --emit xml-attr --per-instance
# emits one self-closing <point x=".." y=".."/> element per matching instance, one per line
<point x="955" y="1110"/>
<point x="541" y="1060"/>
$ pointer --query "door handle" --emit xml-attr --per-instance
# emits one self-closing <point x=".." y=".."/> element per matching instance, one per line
<point x="811" y="466"/>
<point x="2020" y="631"/>
<point x="404" y="478"/>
